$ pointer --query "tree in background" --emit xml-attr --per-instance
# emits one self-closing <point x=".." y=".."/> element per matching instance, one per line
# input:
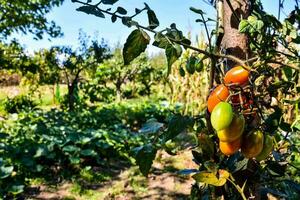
<point x="73" y="62"/>
<point x="28" y="17"/>
<point x="114" y="79"/>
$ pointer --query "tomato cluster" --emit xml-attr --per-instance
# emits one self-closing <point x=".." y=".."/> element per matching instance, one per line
<point x="229" y="105"/>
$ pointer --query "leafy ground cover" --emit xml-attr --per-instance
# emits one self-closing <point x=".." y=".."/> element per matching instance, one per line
<point x="53" y="146"/>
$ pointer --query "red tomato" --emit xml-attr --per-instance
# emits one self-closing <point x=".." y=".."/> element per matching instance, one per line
<point x="237" y="75"/>
<point x="219" y="94"/>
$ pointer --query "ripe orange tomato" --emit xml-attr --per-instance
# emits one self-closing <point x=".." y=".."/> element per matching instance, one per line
<point x="252" y="144"/>
<point x="237" y="75"/>
<point x="234" y="130"/>
<point x="229" y="148"/>
<point x="219" y="94"/>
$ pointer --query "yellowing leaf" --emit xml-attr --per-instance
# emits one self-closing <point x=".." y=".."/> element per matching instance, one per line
<point x="211" y="178"/>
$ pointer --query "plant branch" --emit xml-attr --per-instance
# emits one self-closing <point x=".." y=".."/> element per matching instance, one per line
<point x="208" y="54"/>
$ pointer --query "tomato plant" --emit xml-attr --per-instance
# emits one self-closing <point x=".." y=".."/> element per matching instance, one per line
<point x="256" y="57"/>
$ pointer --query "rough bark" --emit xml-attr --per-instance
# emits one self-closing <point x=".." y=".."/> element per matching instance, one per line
<point x="233" y="42"/>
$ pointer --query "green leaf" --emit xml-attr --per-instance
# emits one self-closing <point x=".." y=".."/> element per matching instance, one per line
<point x="152" y="19"/>
<point x="5" y="171"/>
<point x="273" y="120"/>
<point x="91" y="10"/>
<point x="177" y="125"/>
<point x="199" y="65"/>
<point x="198" y="11"/>
<point x="144" y="158"/>
<point x="74" y="160"/>
<point x="109" y="2"/>
<point x="243" y="26"/>
<point x="88" y="152"/>
<point x="160" y="40"/>
<point x="16" y="189"/>
<point x="173" y="52"/>
<point x="186" y="41"/>
<point x="211" y="178"/>
<point x="190" y="65"/>
<point x="136" y="43"/>
<point x="288" y="72"/>
<point x="121" y="10"/>
<point x="181" y="71"/>
<point x="151" y="126"/>
<point x="113" y="18"/>
<point x="71" y="148"/>
<point x="40" y="152"/>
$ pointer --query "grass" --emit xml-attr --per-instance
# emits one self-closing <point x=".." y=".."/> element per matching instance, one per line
<point x="43" y="95"/>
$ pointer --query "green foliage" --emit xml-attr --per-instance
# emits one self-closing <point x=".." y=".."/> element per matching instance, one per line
<point x="18" y="103"/>
<point x="48" y="145"/>
<point x="113" y="80"/>
<point x="28" y="17"/>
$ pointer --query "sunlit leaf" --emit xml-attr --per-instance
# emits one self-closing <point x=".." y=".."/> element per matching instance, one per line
<point x="211" y="178"/>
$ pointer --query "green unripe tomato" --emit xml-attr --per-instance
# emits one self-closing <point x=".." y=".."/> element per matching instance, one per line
<point x="199" y="65"/>
<point x="267" y="148"/>
<point x="252" y="144"/>
<point x="221" y="116"/>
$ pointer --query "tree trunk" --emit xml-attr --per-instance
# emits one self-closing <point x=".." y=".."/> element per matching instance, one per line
<point x="71" y="98"/>
<point x="233" y="42"/>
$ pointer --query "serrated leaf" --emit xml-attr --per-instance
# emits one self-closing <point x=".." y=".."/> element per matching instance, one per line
<point x="109" y="2"/>
<point x="152" y="19"/>
<point x="173" y="52"/>
<point x="91" y="10"/>
<point x="211" y="178"/>
<point x="136" y="43"/>
<point x="122" y="11"/>
<point x="144" y="158"/>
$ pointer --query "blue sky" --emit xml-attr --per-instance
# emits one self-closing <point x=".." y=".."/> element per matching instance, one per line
<point x="168" y="11"/>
